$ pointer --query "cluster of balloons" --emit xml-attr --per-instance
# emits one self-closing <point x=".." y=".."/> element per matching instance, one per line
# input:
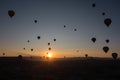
<point x="39" y="37"/>
<point x="107" y="22"/>
<point x="73" y="29"/>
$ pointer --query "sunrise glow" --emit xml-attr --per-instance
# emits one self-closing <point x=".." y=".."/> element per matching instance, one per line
<point x="49" y="55"/>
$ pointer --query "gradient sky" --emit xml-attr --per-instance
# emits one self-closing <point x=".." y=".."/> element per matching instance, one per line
<point x="52" y="15"/>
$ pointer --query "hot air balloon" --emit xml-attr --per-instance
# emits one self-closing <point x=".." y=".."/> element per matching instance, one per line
<point x="103" y="13"/>
<point x="86" y="55"/>
<point x="35" y="21"/>
<point x="24" y="48"/>
<point x="77" y="50"/>
<point x="93" y="5"/>
<point x="107" y="40"/>
<point x="93" y="39"/>
<point x="49" y="49"/>
<point x="3" y="54"/>
<point x="75" y="29"/>
<point x="107" y="22"/>
<point x="105" y="49"/>
<point x="11" y="13"/>
<point x="31" y="49"/>
<point x="28" y="41"/>
<point x="114" y="55"/>
<point x="54" y="39"/>
<point x="20" y="56"/>
<point x="38" y="37"/>
<point x="48" y="43"/>
<point x="64" y="26"/>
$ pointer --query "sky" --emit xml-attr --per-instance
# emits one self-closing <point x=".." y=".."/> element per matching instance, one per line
<point x="51" y="16"/>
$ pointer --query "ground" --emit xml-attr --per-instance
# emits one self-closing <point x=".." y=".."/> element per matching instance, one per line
<point x="66" y="69"/>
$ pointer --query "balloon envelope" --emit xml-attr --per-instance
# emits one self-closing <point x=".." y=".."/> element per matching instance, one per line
<point x="64" y="26"/>
<point x="114" y="55"/>
<point x="35" y="21"/>
<point x="49" y="49"/>
<point x="54" y="39"/>
<point x="103" y="13"/>
<point x="93" y="5"/>
<point x="105" y="49"/>
<point x="86" y="55"/>
<point x="11" y="13"/>
<point x="3" y="53"/>
<point x="38" y="37"/>
<point x="107" y="41"/>
<point x="31" y="49"/>
<point x="28" y="41"/>
<point x="77" y="50"/>
<point x="107" y="22"/>
<point x="93" y="39"/>
<point x="48" y="43"/>
<point x="75" y="29"/>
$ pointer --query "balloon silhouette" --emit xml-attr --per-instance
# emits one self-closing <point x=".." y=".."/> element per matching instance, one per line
<point x="77" y="50"/>
<point x="24" y="48"/>
<point x="107" y="21"/>
<point x="20" y="56"/>
<point x="54" y="39"/>
<point x="93" y="5"/>
<point x="103" y="13"/>
<point x="64" y="26"/>
<point x="28" y="41"/>
<point x="31" y="49"/>
<point x="86" y="55"/>
<point x="75" y="29"/>
<point x="48" y="43"/>
<point x="114" y="55"/>
<point x="38" y="37"/>
<point x="3" y="54"/>
<point x="105" y="49"/>
<point x="35" y="21"/>
<point x="49" y="49"/>
<point x="107" y="41"/>
<point x="93" y="39"/>
<point x="11" y="13"/>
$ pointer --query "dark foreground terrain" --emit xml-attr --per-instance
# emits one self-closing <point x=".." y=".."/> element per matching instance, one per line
<point x="82" y="69"/>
